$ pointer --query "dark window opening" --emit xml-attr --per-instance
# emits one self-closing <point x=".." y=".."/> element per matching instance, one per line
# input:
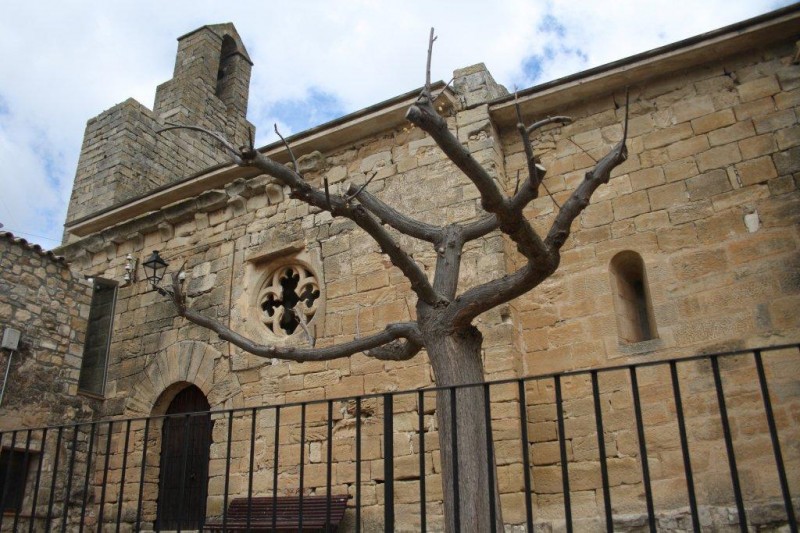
<point x="226" y="63"/>
<point x="632" y="305"/>
<point x="98" y="337"/>
<point x="13" y="476"/>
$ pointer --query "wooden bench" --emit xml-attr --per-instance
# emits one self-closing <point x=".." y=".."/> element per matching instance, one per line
<point x="285" y="514"/>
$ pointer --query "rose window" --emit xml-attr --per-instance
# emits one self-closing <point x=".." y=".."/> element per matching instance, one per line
<point x="291" y="295"/>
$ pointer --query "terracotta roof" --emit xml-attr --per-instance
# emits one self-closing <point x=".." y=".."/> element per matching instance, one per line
<point x="25" y="245"/>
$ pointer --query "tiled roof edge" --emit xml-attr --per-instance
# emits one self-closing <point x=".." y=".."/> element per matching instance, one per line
<point x="25" y="245"/>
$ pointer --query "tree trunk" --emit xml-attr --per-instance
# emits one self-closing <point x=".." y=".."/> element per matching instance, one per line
<point x="456" y="360"/>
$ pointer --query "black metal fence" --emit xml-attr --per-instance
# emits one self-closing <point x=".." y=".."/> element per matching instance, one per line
<point x="700" y="443"/>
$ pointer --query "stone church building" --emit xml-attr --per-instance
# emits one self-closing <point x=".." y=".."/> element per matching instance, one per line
<point x="693" y="247"/>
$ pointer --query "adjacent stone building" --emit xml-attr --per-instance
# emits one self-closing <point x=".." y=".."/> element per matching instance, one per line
<point x="691" y="247"/>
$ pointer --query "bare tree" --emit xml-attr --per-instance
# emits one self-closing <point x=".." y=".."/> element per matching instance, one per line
<point x="443" y="326"/>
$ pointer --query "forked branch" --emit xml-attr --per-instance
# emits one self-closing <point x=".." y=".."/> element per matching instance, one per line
<point x="484" y="297"/>
<point x="580" y="197"/>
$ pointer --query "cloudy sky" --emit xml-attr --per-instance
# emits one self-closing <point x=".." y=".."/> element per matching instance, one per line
<point x="65" y="61"/>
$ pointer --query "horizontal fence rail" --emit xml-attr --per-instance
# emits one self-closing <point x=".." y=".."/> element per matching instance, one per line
<point x="708" y="442"/>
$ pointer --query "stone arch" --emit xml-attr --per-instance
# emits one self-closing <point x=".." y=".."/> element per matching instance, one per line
<point x="175" y="368"/>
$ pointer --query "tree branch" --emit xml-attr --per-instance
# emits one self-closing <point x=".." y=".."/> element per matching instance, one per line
<point x="534" y="179"/>
<point x="393" y="332"/>
<point x="580" y="197"/>
<point x="510" y="222"/>
<point x="480" y="299"/>
<point x="352" y="192"/>
<point x="337" y="206"/>
<point x="543" y="257"/>
<point x="431" y="40"/>
<point x="424" y="115"/>
<point x="479" y="228"/>
<point x="236" y="154"/>
<point x="397" y="350"/>
<point x="289" y="149"/>
<point x="558" y="119"/>
<point x="388" y="215"/>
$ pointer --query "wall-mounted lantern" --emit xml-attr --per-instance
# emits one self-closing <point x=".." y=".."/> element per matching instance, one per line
<point x="154" y="269"/>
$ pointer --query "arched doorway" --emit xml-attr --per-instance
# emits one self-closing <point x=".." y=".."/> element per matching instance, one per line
<point x="185" y="444"/>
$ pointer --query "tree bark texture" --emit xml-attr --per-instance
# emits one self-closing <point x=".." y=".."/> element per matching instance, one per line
<point x="456" y="360"/>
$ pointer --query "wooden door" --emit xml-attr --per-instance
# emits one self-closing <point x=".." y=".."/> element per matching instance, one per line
<point x="185" y="444"/>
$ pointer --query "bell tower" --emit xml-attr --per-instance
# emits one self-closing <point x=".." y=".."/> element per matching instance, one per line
<point x="123" y="156"/>
<point x="210" y="83"/>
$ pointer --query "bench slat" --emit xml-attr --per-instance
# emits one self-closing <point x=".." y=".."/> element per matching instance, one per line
<point x="285" y="513"/>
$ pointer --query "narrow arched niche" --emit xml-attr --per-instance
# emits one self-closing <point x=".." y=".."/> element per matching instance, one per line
<point x="226" y="66"/>
<point x="632" y="305"/>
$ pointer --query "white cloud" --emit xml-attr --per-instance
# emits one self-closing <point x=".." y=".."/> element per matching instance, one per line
<point x="65" y="62"/>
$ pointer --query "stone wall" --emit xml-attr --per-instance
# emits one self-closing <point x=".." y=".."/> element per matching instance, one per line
<point x="709" y="199"/>
<point x="49" y="304"/>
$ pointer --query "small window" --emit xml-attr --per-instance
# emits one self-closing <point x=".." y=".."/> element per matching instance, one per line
<point x="98" y="337"/>
<point x="13" y="477"/>
<point x="631" y="294"/>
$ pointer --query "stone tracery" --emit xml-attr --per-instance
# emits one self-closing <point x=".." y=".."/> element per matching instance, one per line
<point x="290" y="292"/>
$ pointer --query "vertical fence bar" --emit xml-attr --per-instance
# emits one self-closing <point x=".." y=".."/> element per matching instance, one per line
<point x="637" y="408"/>
<point x="358" y="464"/>
<point x="487" y="417"/>
<point x="454" y="438"/>
<point x="423" y="519"/>
<point x="776" y="443"/>
<point x="38" y="479"/>
<point x="302" y="461"/>
<point x="227" y="472"/>
<point x="122" y="474"/>
<point x="3" y="483"/>
<point x="388" y="462"/>
<point x="159" y="506"/>
<point x="88" y="464"/>
<point x="7" y="478"/>
<point x="250" y="467"/>
<point x="329" y="468"/>
<point x="53" y="480"/>
<point x="726" y="431"/>
<point x="562" y="447"/>
<point x="275" y="466"/>
<point x="687" y="462"/>
<point x="526" y="460"/>
<point x="25" y="460"/>
<point x="601" y="450"/>
<point x="184" y="468"/>
<point x="142" y="471"/>
<point x="206" y="469"/>
<point x="70" y="471"/>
